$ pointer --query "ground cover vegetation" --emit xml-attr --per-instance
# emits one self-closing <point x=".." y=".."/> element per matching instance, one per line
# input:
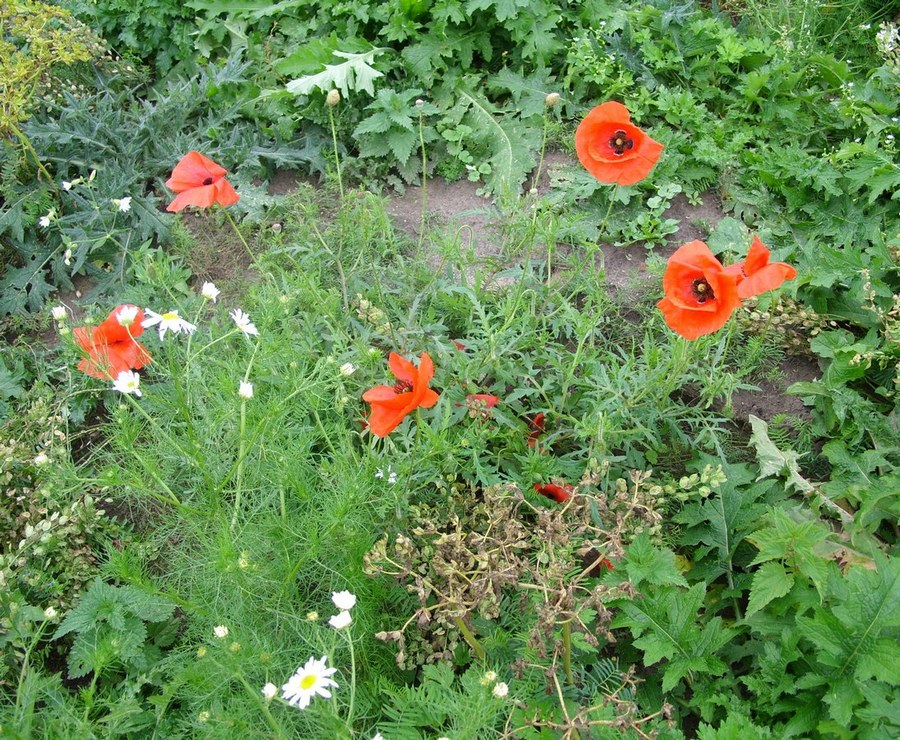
<point x="274" y="467"/>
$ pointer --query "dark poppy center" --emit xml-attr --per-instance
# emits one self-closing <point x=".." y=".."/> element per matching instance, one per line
<point x="620" y="143"/>
<point x="208" y="181"/>
<point x="702" y="291"/>
<point x="402" y="386"/>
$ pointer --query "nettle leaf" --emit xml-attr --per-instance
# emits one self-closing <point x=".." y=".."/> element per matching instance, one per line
<point x="730" y="235"/>
<point x="645" y="563"/>
<point x="798" y="543"/>
<point x="355" y="74"/>
<point x="528" y="93"/>
<point x="665" y="625"/>
<point x="773" y="461"/>
<point x="771" y="581"/>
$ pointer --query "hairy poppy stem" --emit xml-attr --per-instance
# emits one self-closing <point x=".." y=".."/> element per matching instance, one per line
<point x="469" y="638"/>
<point x="424" y="181"/>
<point x="337" y="156"/>
<point x="239" y="234"/>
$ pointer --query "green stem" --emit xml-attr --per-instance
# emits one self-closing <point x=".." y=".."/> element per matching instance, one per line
<point x="239" y="234"/>
<point x="424" y="181"/>
<point x="337" y="156"/>
<point x="352" y="681"/>
<point x="567" y="653"/>
<point x="469" y="638"/>
<point x="238" y="478"/>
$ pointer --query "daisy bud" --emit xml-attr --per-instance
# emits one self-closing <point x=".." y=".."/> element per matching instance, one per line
<point x="59" y="313"/>
<point x="500" y="690"/>
<point x="49" y="613"/>
<point x="551" y="99"/>
<point x="220" y="631"/>
<point x="269" y="691"/>
<point x="333" y="98"/>
<point x="348" y="368"/>
<point x="245" y="390"/>
<point x="312" y="616"/>
<point x="488" y="678"/>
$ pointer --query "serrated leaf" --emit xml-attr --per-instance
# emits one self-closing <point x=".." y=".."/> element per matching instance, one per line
<point x="645" y="563"/>
<point x="355" y="74"/>
<point x="770" y="581"/>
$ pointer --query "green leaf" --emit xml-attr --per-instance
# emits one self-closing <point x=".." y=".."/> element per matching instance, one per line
<point x="645" y="563"/>
<point x="770" y="581"/>
<point x="512" y="144"/>
<point x="355" y="74"/>
<point x="730" y="235"/>
<point x="773" y="461"/>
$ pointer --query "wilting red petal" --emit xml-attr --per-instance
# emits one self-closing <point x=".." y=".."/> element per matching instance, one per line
<point x="537" y="429"/>
<point x="560" y="494"/>
<point x="598" y="151"/>
<point x="459" y="345"/>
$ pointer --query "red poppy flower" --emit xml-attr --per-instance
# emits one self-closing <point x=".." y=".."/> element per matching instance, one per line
<point x="537" y="429"/>
<point x="756" y="274"/>
<point x="390" y="405"/>
<point x="560" y="494"/>
<point x="612" y="149"/>
<point x="700" y="295"/>
<point x="112" y="346"/>
<point x="199" y="182"/>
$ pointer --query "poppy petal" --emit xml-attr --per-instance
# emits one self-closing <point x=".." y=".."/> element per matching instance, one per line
<point x="690" y="323"/>
<point x="403" y="369"/>
<point x="226" y="195"/>
<point x="757" y="256"/>
<point x="192" y="171"/>
<point x="429" y="398"/>
<point x="383" y="421"/>
<point x="768" y="278"/>
<point x="202" y="197"/>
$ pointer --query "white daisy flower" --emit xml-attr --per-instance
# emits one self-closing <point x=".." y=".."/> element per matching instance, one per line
<point x="378" y="736"/>
<point x="44" y="221"/>
<point x="245" y="389"/>
<point x="128" y="382"/>
<point x="123" y="204"/>
<point x="41" y="459"/>
<point x="341" y="620"/>
<point x="343" y="600"/>
<point x="243" y="322"/>
<point x="313" y="679"/>
<point x="269" y="691"/>
<point x="59" y="313"/>
<point x="348" y="368"/>
<point x="220" y="631"/>
<point x="126" y="315"/>
<point x="500" y="690"/>
<point x="67" y="185"/>
<point x="167" y="321"/>
<point x="210" y="291"/>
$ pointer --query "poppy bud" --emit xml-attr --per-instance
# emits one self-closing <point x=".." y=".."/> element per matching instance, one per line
<point x="333" y="98"/>
<point x="551" y="99"/>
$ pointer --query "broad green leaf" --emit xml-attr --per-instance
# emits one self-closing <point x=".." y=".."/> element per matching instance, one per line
<point x="770" y="581"/>
<point x="773" y="461"/>
<point x="355" y="74"/>
<point x="645" y="563"/>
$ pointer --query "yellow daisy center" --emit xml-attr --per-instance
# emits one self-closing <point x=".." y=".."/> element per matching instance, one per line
<point x="307" y="682"/>
<point x="170" y="316"/>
